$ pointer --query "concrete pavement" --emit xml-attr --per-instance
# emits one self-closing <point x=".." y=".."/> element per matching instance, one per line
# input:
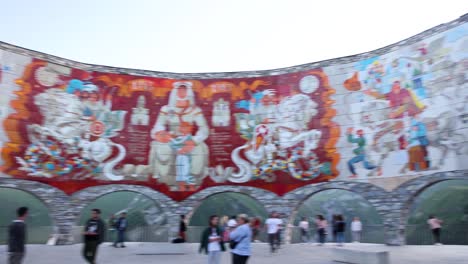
<point x="136" y="253"/>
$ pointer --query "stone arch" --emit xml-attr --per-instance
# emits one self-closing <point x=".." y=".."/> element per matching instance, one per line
<point x="375" y="195"/>
<point x="54" y="199"/>
<point x="269" y="200"/>
<point x="409" y="191"/>
<point x="84" y="197"/>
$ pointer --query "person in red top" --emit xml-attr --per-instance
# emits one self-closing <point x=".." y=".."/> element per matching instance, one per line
<point x="256" y="225"/>
<point x="400" y="100"/>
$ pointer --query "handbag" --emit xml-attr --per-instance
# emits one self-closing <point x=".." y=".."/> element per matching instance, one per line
<point x="233" y="244"/>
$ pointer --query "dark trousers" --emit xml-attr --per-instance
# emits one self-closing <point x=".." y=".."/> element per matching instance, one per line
<point x="15" y="257"/>
<point x="436" y="234"/>
<point x="90" y="250"/>
<point x="321" y="234"/>
<point x="254" y="234"/>
<point x="274" y="241"/>
<point x="305" y="235"/>
<point x="238" y="259"/>
<point x="120" y="238"/>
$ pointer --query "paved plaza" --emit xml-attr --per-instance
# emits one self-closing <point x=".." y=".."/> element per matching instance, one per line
<point x="136" y="253"/>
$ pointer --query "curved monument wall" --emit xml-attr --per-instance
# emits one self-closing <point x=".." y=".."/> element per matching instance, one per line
<point x="382" y="117"/>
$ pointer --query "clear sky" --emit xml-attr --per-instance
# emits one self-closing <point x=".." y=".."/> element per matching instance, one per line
<point x="215" y="35"/>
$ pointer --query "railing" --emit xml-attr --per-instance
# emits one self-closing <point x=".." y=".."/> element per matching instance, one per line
<point x="36" y="235"/>
<point x="456" y="234"/>
<point x="135" y="234"/>
<point x="369" y="234"/>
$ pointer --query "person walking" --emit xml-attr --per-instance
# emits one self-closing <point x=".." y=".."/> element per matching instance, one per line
<point x="356" y="230"/>
<point x="340" y="230"/>
<point x="94" y="234"/>
<point x="436" y="225"/>
<point x="182" y="228"/>
<point x="321" y="224"/>
<point x="211" y="241"/>
<point x="304" y="228"/>
<point x="273" y="225"/>
<point x="17" y="237"/>
<point x="241" y="249"/>
<point x="121" y="226"/>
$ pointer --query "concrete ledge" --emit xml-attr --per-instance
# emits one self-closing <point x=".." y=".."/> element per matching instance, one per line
<point x="360" y="256"/>
<point x="164" y="249"/>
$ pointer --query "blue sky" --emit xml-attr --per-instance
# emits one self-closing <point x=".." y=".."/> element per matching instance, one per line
<point x="215" y="35"/>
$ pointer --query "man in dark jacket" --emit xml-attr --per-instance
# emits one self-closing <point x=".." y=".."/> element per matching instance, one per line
<point x="17" y="237"/>
<point x="121" y="226"/>
<point x="94" y="233"/>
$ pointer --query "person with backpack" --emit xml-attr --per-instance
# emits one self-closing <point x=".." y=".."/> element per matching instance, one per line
<point x="241" y="238"/>
<point x="211" y="241"/>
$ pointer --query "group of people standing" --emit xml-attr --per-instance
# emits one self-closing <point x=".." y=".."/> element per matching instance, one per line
<point x="237" y="232"/>
<point x="338" y="229"/>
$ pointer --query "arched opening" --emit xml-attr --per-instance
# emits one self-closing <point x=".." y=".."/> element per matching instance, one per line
<point x="39" y="222"/>
<point x="337" y="201"/>
<point x="223" y="204"/>
<point x="446" y="200"/>
<point x="147" y="222"/>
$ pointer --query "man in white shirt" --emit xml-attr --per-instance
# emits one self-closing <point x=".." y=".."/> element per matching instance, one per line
<point x="356" y="229"/>
<point x="273" y="225"/>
